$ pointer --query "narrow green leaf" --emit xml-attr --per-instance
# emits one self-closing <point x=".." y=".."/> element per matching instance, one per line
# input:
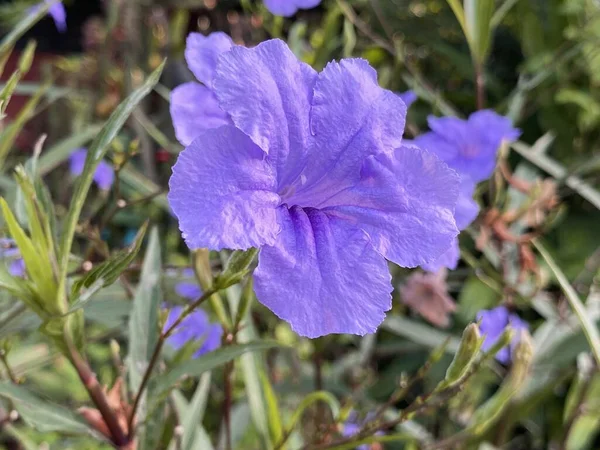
<point x="9" y="135"/>
<point x="143" y="321"/>
<point x="41" y="415"/>
<point x="53" y="156"/>
<point x="95" y="154"/>
<point x="208" y="362"/>
<point x="459" y="13"/>
<point x="589" y="328"/>
<point x="28" y="21"/>
<point x="199" y="436"/>
<point x="112" y="269"/>
<point x="21" y="289"/>
<point x="38" y="267"/>
<point x="478" y="18"/>
<point x="194" y="435"/>
<point x="273" y="413"/>
<point x="81" y="300"/>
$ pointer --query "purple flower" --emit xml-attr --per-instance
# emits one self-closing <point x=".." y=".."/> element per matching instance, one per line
<point x="493" y="323"/>
<point x="408" y="97"/>
<point x="465" y="212"/>
<point x="57" y="12"/>
<point x="188" y="290"/>
<point x="353" y="425"/>
<point x="195" y="327"/>
<point x="313" y="172"/>
<point x="104" y="176"/>
<point x="469" y="146"/>
<point x="9" y="252"/>
<point x="288" y="8"/>
<point x="194" y="107"/>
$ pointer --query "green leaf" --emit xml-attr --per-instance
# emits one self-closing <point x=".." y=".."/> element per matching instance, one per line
<point x="39" y="269"/>
<point x="273" y="413"/>
<point x="10" y="133"/>
<point x="42" y="415"/>
<point x="109" y="271"/>
<point x="459" y="13"/>
<point x="28" y="21"/>
<point x="143" y="322"/>
<point x="53" y="156"/>
<point x="96" y="152"/>
<point x="83" y="298"/>
<point x="589" y="328"/>
<point x="21" y="289"/>
<point x="190" y="416"/>
<point x="208" y="362"/>
<point x="478" y="20"/>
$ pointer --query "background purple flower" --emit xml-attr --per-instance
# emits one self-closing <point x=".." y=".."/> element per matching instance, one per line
<point x="195" y="327"/>
<point x="104" y="175"/>
<point x="57" y="12"/>
<point x="314" y="173"/>
<point x="493" y="324"/>
<point x="10" y="253"/>
<point x="353" y="425"/>
<point x="194" y="108"/>
<point x="469" y="146"/>
<point x="287" y="8"/>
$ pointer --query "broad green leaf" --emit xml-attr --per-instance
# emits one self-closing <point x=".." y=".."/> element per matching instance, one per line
<point x="207" y="362"/>
<point x="95" y="154"/>
<point x="112" y="269"/>
<point x="143" y="322"/>
<point x="42" y="415"/>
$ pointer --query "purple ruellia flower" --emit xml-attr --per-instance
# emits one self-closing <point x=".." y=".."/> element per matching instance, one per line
<point x="353" y="425"/>
<point x="57" y="12"/>
<point x="104" y="176"/>
<point x="493" y="323"/>
<point x="313" y="171"/>
<point x="288" y="8"/>
<point x="465" y="212"/>
<point x="408" y="97"/>
<point x="195" y="327"/>
<point x="469" y="146"/>
<point x="10" y="253"/>
<point x="194" y="108"/>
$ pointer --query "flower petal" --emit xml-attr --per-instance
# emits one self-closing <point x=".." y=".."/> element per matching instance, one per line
<point x="323" y="276"/>
<point x="405" y="203"/>
<point x="449" y="259"/>
<point x="287" y="8"/>
<point x="466" y="208"/>
<point x="202" y="53"/>
<point x="221" y="191"/>
<point x="188" y="290"/>
<point x="194" y="108"/>
<point x="268" y="93"/>
<point x="59" y="15"/>
<point x="104" y="175"/>
<point x="351" y="118"/>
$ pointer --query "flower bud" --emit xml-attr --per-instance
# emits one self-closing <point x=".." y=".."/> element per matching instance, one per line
<point x="237" y="267"/>
<point x="468" y="349"/>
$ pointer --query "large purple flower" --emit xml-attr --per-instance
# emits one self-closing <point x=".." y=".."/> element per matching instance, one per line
<point x="493" y="323"/>
<point x="194" y="107"/>
<point x="104" y="175"/>
<point x="469" y="146"/>
<point x="288" y="8"/>
<point x="196" y="327"/>
<point x="313" y="172"/>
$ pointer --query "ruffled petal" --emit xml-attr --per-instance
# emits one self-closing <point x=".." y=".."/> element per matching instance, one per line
<point x="405" y="202"/>
<point x="267" y="91"/>
<point x="352" y="117"/>
<point x="194" y="109"/>
<point x="449" y="259"/>
<point x="323" y="276"/>
<point x="202" y="53"/>
<point x="222" y="192"/>
<point x="466" y="208"/>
